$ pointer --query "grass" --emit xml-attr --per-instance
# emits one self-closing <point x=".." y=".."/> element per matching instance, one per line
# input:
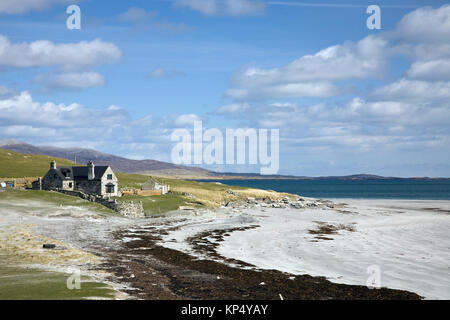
<point x="206" y="194"/>
<point x="33" y="284"/>
<point x="53" y="198"/>
<point x="19" y="165"/>
<point x="131" y="180"/>
<point x="159" y="204"/>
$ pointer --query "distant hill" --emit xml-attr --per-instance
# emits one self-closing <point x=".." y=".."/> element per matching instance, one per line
<point x="146" y="167"/>
<point x="120" y="164"/>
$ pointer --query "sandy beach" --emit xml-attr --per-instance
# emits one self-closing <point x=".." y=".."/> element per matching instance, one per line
<point x="148" y="258"/>
<point x="407" y="239"/>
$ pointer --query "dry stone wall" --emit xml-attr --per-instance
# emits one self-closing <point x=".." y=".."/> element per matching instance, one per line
<point x="126" y="209"/>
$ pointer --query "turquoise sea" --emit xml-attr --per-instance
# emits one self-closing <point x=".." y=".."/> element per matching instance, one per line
<point x="354" y="189"/>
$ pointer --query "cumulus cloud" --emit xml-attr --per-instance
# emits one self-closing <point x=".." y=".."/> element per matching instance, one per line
<point x="414" y="90"/>
<point x="430" y="70"/>
<point x="225" y="7"/>
<point x="22" y="6"/>
<point x="110" y="128"/>
<point x="310" y="75"/>
<point x="424" y="35"/>
<point x="424" y="25"/>
<point x="71" y="80"/>
<point x="70" y="56"/>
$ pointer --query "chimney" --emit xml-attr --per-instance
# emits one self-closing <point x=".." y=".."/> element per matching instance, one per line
<point x="91" y="171"/>
<point x="53" y="164"/>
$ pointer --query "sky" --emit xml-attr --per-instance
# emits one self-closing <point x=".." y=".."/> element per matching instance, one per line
<point x="346" y="99"/>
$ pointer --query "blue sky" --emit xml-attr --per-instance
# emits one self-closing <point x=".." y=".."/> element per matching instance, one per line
<point x="345" y="98"/>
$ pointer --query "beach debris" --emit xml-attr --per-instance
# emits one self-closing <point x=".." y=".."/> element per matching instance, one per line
<point x="49" y="246"/>
<point x="281" y="297"/>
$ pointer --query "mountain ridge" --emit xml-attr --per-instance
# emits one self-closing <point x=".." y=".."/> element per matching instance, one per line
<point x="164" y="169"/>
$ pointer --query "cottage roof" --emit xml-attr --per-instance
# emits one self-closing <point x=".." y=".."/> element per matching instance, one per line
<point x="150" y="184"/>
<point x="80" y="173"/>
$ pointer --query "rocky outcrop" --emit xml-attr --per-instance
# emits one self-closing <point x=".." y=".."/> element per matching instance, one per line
<point x="285" y="202"/>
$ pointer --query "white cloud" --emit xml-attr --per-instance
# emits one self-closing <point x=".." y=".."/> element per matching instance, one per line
<point x="136" y="15"/>
<point x="70" y="56"/>
<point x="430" y="70"/>
<point x="110" y="129"/>
<point x="280" y="91"/>
<point x="22" y="6"/>
<point x="71" y="80"/>
<point x="186" y="120"/>
<point x="425" y="25"/>
<point x="414" y="90"/>
<point x="309" y="75"/>
<point x="232" y="109"/>
<point x="226" y="7"/>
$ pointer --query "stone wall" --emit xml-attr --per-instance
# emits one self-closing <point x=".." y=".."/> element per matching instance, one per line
<point x="51" y="181"/>
<point x="89" y="186"/>
<point x="126" y="209"/>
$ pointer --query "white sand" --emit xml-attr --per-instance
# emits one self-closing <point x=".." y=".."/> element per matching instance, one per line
<point x="408" y="242"/>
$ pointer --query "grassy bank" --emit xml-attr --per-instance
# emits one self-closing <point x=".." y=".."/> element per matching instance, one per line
<point x="18" y="165"/>
<point x="32" y="284"/>
<point x="53" y="198"/>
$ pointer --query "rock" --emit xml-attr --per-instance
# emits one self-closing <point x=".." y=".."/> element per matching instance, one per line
<point x="233" y="193"/>
<point x="188" y="195"/>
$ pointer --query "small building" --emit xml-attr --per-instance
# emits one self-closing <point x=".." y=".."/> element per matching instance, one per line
<point x="153" y="185"/>
<point x="91" y="179"/>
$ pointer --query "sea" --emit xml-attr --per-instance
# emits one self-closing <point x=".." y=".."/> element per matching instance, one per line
<point x="420" y="189"/>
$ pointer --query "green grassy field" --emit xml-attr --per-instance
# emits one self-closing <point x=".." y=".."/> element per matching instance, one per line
<point x="18" y="165"/>
<point x="33" y="284"/>
<point x="53" y="198"/>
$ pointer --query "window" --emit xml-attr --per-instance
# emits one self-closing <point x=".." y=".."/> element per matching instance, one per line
<point x="110" y="188"/>
<point x="110" y="177"/>
<point x="70" y="185"/>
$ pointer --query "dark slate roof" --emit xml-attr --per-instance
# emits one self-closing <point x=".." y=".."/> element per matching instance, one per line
<point x="60" y="171"/>
<point x="81" y="173"/>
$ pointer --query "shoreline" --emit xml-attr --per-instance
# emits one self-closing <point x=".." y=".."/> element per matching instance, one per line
<point x="191" y="255"/>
